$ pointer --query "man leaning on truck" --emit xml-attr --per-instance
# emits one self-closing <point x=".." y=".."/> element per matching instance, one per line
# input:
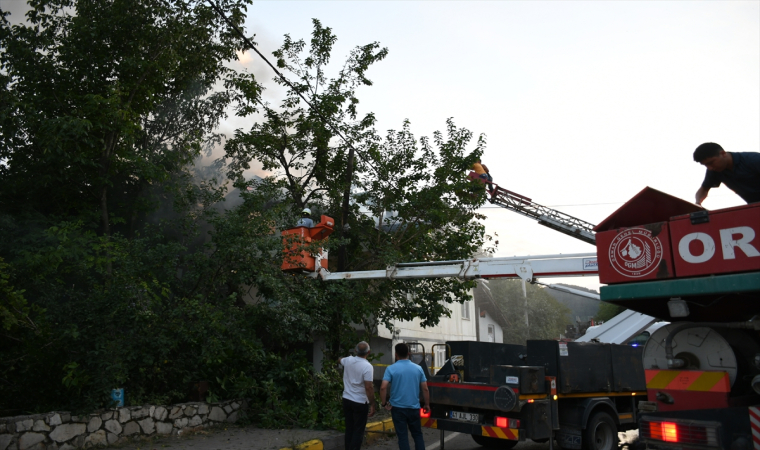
<point x="407" y="380"/>
<point x="740" y="171"/>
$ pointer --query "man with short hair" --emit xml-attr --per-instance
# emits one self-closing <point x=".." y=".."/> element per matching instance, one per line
<point x="358" y="395"/>
<point x="407" y="380"/>
<point x="740" y="171"/>
<point x="482" y="171"/>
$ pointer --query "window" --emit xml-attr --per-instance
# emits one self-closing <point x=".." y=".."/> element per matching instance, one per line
<point x="639" y="340"/>
<point x="466" y="310"/>
<point x="491" y="333"/>
<point x="440" y="358"/>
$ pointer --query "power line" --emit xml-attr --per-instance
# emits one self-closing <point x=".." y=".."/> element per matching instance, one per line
<point x="324" y="119"/>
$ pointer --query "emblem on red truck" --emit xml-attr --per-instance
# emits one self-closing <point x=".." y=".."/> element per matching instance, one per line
<point x="635" y="252"/>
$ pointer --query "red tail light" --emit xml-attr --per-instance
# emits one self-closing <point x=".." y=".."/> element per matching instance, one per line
<point x="505" y="422"/>
<point x="692" y="432"/>
<point x="664" y="431"/>
<point x="424" y="414"/>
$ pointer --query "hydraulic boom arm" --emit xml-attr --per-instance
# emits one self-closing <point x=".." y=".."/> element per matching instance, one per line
<point x="524" y="267"/>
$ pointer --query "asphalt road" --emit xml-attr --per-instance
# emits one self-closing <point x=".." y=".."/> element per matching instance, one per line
<point x="452" y="441"/>
<point x="457" y="441"/>
<point x="252" y="438"/>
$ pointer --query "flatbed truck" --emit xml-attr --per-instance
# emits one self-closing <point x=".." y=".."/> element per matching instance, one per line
<point x="579" y="393"/>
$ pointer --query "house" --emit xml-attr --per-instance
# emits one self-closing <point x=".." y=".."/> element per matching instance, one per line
<point x="476" y="320"/>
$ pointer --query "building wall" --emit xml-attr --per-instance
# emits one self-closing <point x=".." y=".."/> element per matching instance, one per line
<point x="485" y="321"/>
<point x="461" y="326"/>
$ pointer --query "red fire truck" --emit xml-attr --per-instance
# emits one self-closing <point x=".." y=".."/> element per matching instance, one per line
<point x="700" y="270"/>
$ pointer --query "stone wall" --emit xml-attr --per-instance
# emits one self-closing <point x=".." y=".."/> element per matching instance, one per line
<point x="62" y="431"/>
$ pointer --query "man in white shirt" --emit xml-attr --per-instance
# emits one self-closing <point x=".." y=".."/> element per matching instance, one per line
<point x="358" y="395"/>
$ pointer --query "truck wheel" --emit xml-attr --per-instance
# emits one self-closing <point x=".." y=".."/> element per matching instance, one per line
<point x="496" y="443"/>
<point x="600" y="433"/>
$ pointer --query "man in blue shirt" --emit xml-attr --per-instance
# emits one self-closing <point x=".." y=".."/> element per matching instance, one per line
<point x="739" y="171"/>
<point x="407" y="380"/>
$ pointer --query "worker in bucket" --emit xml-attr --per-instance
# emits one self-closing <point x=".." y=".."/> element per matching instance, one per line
<point x="483" y="172"/>
<point x="740" y="171"/>
<point x="305" y="220"/>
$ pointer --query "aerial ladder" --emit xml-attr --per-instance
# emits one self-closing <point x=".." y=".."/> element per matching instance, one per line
<point x="556" y="220"/>
<point x="548" y="217"/>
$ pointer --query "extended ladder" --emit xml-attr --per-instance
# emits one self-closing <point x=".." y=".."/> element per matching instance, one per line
<point x="547" y="217"/>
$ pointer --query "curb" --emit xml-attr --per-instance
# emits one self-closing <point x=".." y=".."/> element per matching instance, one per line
<point x="372" y="432"/>
<point x="376" y="430"/>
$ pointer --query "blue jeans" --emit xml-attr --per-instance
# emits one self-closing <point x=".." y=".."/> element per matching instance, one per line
<point x="488" y="179"/>
<point x="408" y="419"/>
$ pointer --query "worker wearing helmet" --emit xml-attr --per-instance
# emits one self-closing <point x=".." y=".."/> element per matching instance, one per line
<point x="305" y="220"/>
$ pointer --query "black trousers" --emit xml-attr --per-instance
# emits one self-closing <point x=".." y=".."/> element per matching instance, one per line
<point x="356" y="420"/>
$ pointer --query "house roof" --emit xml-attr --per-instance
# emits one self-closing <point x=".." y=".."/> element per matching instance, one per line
<point x="485" y="301"/>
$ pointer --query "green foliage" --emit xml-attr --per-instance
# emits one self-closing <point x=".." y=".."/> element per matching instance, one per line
<point x="119" y="268"/>
<point x="14" y="309"/>
<point x="415" y="188"/>
<point x="546" y="317"/>
<point x="607" y="311"/>
<point x="580" y="307"/>
<point x="317" y="403"/>
<point x="104" y="101"/>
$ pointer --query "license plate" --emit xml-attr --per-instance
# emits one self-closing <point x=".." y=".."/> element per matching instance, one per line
<point x="467" y="417"/>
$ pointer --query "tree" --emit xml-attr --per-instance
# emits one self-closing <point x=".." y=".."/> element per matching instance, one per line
<point x="546" y="317"/>
<point x="396" y="198"/>
<point x="103" y="101"/>
<point x="607" y="311"/>
<point x="104" y="107"/>
<point x="120" y="268"/>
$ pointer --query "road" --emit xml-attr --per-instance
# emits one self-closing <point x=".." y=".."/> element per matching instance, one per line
<point x="457" y="441"/>
<point x="252" y="438"/>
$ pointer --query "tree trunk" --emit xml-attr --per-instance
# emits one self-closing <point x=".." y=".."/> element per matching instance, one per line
<point x="105" y="163"/>
<point x="342" y="252"/>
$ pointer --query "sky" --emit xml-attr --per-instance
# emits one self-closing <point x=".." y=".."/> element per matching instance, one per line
<point x="583" y="103"/>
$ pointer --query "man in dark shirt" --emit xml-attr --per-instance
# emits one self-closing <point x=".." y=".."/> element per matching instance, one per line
<point x="739" y="171"/>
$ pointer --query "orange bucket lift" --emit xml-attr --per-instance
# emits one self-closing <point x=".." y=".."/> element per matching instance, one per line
<point x="296" y="260"/>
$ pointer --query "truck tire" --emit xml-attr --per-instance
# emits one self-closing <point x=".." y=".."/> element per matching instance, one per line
<point x="600" y="433"/>
<point x="496" y="443"/>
